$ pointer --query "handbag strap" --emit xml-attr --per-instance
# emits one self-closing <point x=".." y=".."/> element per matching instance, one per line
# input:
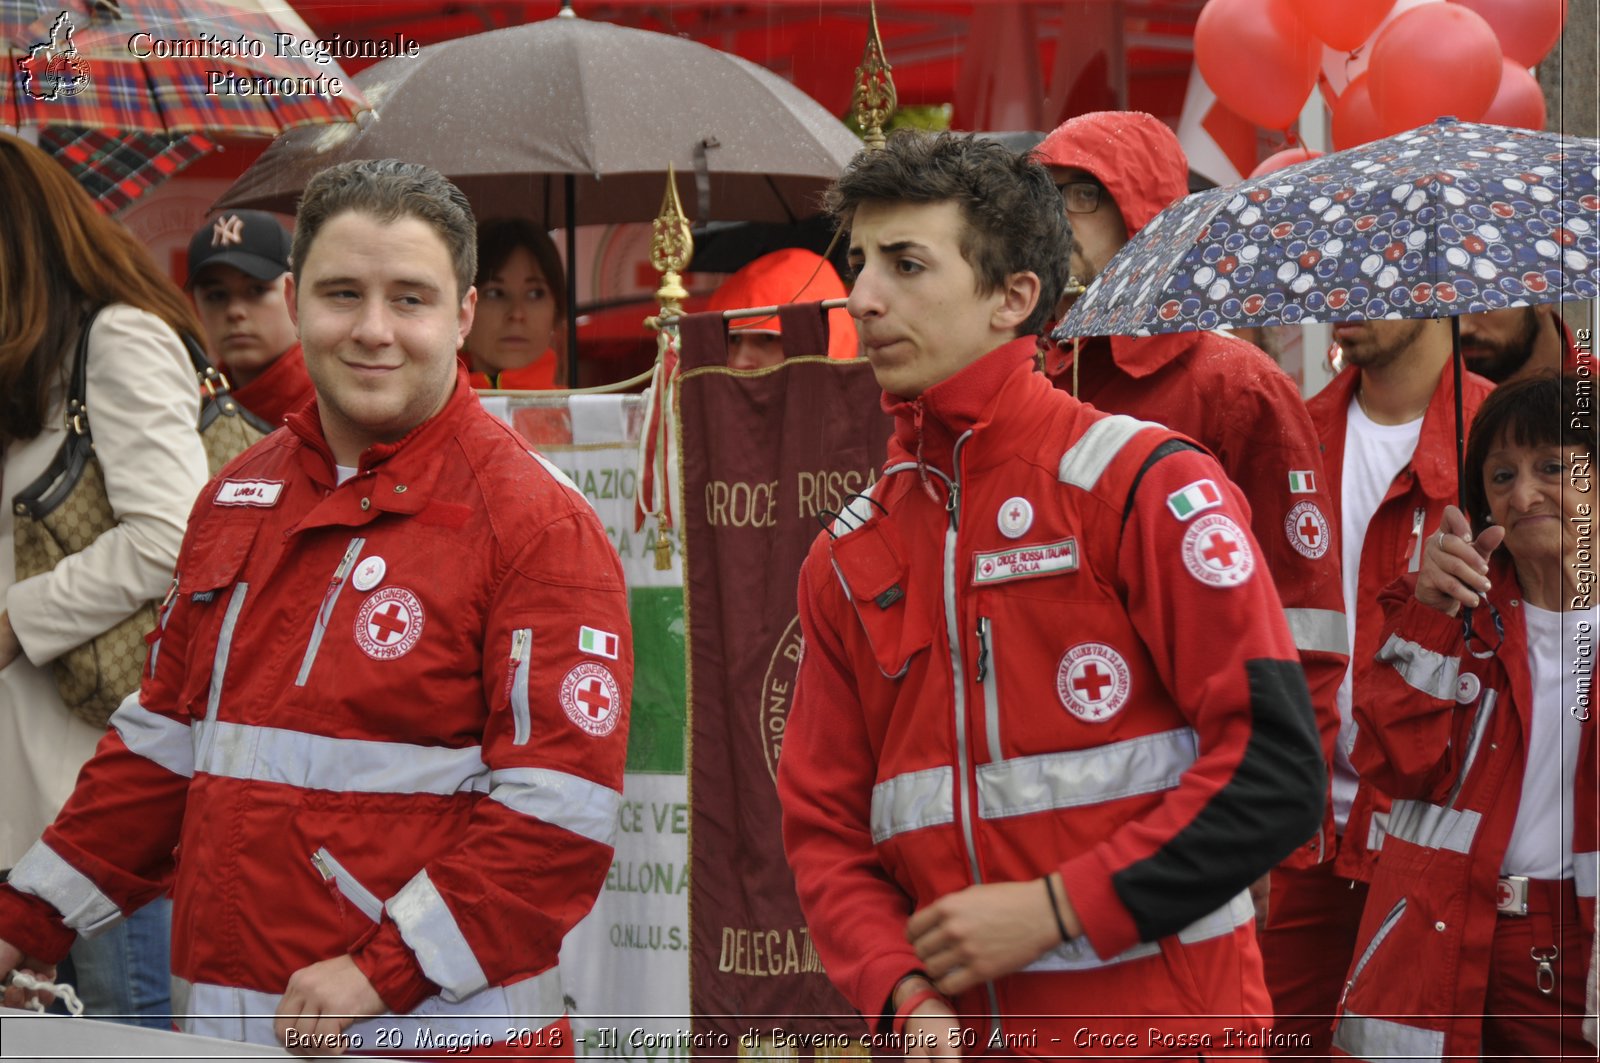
<point x="77" y="409"/>
<point x="211" y="378"/>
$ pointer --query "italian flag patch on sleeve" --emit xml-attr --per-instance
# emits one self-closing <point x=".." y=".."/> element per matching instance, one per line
<point x="597" y="642"/>
<point x="1302" y="482"/>
<point x="1196" y="498"/>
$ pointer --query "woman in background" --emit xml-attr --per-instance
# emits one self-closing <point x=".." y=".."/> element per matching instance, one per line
<point x="1477" y="718"/>
<point x="522" y="309"/>
<point x="60" y="260"/>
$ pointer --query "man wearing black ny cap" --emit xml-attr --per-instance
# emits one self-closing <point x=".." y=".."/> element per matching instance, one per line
<point x="237" y="265"/>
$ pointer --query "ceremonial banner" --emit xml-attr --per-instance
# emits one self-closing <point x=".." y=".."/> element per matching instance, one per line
<point x="625" y="968"/>
<point x="768" y="455"/>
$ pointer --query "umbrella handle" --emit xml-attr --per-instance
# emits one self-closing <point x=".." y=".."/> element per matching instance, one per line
<point x="1461" y="444"/>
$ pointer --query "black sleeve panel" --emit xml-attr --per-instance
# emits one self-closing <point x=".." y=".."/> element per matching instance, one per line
<point x="1171" y="446"/>
<point x="1272" y="804"/>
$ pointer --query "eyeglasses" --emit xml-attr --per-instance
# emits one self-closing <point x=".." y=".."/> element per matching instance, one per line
<point x="1081" y="197"/>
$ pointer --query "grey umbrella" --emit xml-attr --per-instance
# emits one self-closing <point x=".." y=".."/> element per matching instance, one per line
<point x="505" y="114"/>
<point x="571" y="122"/>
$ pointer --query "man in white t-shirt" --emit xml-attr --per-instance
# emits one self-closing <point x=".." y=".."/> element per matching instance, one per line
<point x="1387" y="425"/>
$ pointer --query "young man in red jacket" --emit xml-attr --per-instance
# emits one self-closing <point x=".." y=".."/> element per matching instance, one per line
<point x="238" y="268"/>
<point x="1116" y="170"/>
<point x="381" y="772"/>
<point x="1049" y="724"/>
<point x="1387" y="425"/>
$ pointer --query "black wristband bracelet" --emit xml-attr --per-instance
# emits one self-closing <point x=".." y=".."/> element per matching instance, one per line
<point x="1055" y="910"/>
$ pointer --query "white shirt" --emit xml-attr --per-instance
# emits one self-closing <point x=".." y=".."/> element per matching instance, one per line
<point x="1541" y="838"/>
<point x="343" y="473"/>
<point x="1374" y="454"/>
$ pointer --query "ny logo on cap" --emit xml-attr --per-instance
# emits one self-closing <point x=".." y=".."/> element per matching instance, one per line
<point x="226" y="231"/>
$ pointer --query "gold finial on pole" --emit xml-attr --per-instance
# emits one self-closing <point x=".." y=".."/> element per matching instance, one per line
<point x="873" y="99"/>
<point x="671" y="248"/>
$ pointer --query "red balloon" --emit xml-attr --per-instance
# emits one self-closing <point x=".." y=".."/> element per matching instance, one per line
<point x="1344" y="25"/>
<point x="1520" y="101"/>
<point x="1286" y="157"/>
<point x="1258" y="58"/>
<point x="1527" y="29"/>
<point x="1355" y="119"/>
<point x="1434" y="60"/>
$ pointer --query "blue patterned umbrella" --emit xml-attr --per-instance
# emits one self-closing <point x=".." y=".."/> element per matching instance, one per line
<point x="1446" y="219"/>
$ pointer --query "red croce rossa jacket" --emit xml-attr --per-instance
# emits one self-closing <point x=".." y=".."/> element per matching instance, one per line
<point x="370" y="725"/>
<point x="1228" y="396"/>
<point x="1443" y="730"/>
<point x="1046" y="642"/>
<point x="1413" y="505"/>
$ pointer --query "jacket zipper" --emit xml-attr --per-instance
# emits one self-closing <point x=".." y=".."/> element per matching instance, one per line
<point x="517" y="677"/>
<point x="958" y="685"/>
<point x="1480" y="726"/>
<point x="335" y="875"/>
<point x="335" y="585"/>
<point x="988" y="676"/>
<point x="1417" y="517"/>
<point x="1377" y="939"/>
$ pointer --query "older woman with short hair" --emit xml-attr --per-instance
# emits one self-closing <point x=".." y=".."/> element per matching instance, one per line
<point x="1476" y="717"/>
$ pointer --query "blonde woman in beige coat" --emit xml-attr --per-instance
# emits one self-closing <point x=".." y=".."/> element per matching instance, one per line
<point x="60" y="258"/>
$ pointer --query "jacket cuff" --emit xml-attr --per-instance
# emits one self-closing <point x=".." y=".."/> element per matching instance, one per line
<point x="392" y="968"/>
<point x="877" y="982"/>
<point x="1428" y="627"/>
<point x="33" y="926"/>
<point x="27" y="608"/>
<point x="1106" y="921"/>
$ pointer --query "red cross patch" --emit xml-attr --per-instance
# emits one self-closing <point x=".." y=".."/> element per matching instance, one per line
<point x="1093" y="682"/>
<point x="389" y="624"/>
<point x="1307" y="530"/>
<point x="592" y="699"/>
<point x="1217" y="553"/>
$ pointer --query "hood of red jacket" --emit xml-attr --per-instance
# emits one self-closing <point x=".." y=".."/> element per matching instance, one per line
<point x="1133" y="154"/>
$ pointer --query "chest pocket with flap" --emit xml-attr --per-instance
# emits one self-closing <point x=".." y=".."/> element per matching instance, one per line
<point x="871" y="563"/>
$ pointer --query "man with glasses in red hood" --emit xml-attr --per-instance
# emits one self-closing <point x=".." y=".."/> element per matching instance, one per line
<point x="1116" y="170"/>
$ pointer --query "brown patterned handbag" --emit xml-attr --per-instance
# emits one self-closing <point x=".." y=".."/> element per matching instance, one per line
<point x="66" y="509"/>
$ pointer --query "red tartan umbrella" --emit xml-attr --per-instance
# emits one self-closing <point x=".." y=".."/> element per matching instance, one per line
<point x="117" y="168"/>
<point x="242" y="67"/>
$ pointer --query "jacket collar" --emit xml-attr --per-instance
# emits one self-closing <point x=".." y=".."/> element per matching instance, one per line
<point x="1135" y="356"/>
<point x="284" y="383"/>
<point x="1434" y="460"/>
<point x="926" y="428"/>
<point x="396" y="477"/>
